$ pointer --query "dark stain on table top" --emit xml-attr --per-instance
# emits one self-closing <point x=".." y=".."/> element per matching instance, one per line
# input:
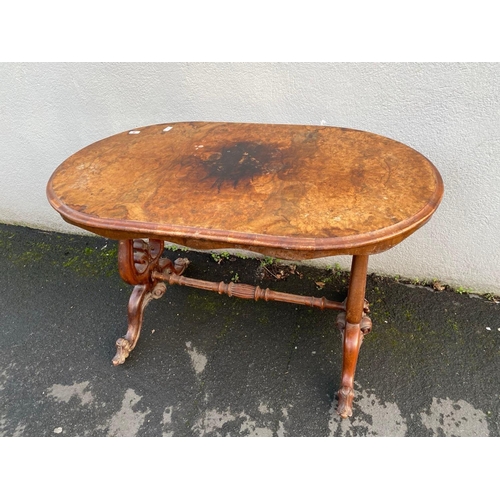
<point x="283" y="186"/>
<point x="235" y="163"/>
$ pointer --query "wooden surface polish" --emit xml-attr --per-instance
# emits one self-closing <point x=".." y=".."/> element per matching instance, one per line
<point x="284" y="190"/>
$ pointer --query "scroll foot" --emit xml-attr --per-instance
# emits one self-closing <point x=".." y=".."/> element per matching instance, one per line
<point x="344" y="407"/>
<point x="123" y="349"/>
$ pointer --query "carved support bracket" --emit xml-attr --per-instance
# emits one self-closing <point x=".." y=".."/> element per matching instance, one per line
<point x="137" y="259"/>
<point x="365" y="324"/>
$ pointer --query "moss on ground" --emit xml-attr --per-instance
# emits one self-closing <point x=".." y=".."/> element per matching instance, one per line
<point x="95" y="259"/>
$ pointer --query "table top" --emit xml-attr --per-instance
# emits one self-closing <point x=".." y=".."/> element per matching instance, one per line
<point x="290" y="191"/>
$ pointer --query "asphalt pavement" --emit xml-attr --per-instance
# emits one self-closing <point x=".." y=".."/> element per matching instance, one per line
<point x="212" y="365"/>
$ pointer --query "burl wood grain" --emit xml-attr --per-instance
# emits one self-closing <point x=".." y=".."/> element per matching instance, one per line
<point x="285" y="190"/>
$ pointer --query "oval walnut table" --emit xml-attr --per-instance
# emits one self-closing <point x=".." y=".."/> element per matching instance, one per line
<point x="287" y="191"/>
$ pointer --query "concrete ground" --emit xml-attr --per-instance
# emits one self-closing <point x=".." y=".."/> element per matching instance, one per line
<point x="210" y="365"/>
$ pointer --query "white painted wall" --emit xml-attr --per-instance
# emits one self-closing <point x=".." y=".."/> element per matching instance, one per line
<point x="448" y="112"/>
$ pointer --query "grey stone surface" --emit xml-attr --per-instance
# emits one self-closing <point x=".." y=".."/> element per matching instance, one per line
<point x="210" y="365"/>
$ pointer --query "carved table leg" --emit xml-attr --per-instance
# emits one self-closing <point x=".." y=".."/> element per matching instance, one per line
<point x="140" y="298"/>
<point x="354" y="324"/>
<point x="138" y="260"/>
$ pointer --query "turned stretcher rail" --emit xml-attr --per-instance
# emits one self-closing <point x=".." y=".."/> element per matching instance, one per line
<point x="250" y="292"/>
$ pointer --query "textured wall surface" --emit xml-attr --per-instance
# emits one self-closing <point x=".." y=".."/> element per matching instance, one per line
<point x="448" y="112"/>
